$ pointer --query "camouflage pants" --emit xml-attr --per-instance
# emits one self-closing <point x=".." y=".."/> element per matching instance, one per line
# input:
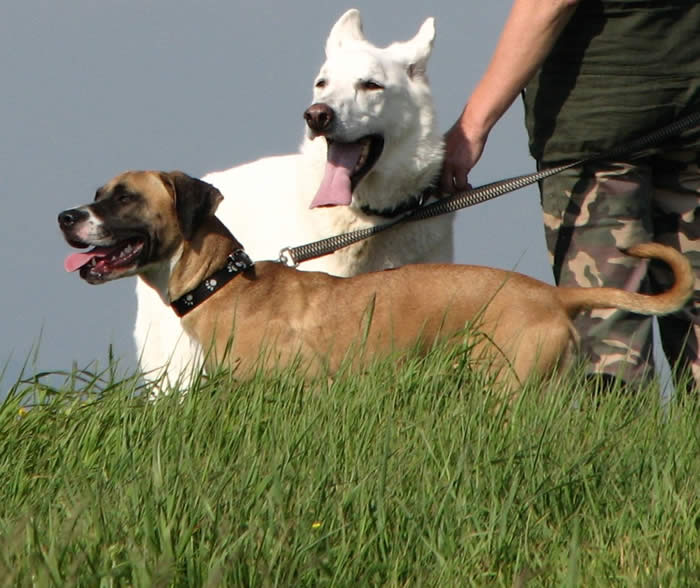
<point x="591" y="212"/>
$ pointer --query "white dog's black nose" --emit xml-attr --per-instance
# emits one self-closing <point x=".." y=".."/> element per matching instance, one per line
<point x="68" y="218"/>
<point x="319" y="117"/>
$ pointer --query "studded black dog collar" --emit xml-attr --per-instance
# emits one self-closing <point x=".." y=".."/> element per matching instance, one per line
<point x="236" y="263"/>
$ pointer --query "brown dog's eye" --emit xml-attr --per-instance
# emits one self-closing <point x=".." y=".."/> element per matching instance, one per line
<point x="371" y="85"/>
<point x="126" y="198"/>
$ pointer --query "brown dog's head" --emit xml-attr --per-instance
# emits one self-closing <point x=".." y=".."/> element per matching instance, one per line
<point x="138" y="219"/>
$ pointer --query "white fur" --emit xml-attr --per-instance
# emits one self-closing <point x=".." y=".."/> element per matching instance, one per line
<point x="91" y="229"/>
<point x="266" y="202"/>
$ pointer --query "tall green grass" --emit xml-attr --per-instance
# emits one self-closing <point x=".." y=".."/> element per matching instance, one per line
<point x="413" y="473"/>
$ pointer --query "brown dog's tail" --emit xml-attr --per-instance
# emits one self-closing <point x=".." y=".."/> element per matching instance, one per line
<point x="577" y="299"/>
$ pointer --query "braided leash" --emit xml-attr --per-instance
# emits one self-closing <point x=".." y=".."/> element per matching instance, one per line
<point x="293" y="256"/>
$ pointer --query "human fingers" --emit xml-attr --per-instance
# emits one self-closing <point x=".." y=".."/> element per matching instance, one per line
<point x="458" y="161"/>
<point x="454" y="176"/>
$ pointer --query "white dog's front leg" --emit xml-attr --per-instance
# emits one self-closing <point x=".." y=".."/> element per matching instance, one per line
<point x="167" y="355"/>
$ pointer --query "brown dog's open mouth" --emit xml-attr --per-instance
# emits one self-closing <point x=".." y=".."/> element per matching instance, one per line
<point x="102" y="263"/>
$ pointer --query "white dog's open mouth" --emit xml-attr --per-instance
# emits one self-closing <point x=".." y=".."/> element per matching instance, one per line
<point x="346" y="165"/>
<point x="105" y="263"/>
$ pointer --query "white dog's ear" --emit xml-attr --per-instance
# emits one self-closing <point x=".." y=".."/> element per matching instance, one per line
<point x="348" y="28"/>
<point x="419" y="49"/>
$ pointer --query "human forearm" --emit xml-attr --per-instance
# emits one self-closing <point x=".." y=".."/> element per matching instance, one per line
<point x="528" y="35"/>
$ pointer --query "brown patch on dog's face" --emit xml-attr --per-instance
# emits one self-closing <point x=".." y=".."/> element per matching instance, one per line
<point x="141" y="202"/>
<point x="132" y="225"/>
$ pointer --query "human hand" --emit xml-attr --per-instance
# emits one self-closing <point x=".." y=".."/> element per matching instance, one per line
<point x="462" y="151"/>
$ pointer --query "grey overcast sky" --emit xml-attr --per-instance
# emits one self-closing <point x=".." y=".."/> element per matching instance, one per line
<point x="91" y="88"/>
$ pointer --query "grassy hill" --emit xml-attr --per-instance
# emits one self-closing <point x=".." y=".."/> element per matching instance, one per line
<point x="414" y="473"/>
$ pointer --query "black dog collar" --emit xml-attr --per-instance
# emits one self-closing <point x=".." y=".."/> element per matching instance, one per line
<point x="236" y="263"/>
<point x="408" y="205"/>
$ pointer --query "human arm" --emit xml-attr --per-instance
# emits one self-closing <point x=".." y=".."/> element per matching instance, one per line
<point x="530" y="31"/>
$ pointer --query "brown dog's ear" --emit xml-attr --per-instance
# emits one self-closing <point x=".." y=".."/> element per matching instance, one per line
<point x="195" y="200"/>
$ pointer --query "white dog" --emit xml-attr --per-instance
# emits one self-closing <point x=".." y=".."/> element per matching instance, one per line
<point x="371" y="149"/>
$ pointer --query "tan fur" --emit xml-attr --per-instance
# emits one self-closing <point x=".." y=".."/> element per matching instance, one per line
<point x="316" y="318"/>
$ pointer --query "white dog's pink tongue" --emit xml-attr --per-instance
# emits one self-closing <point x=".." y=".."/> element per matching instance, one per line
<point x="336" y="186"/>
<point x="77" y="260"/>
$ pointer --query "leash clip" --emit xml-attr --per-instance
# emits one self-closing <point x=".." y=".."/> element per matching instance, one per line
<point x="287" y="258"/>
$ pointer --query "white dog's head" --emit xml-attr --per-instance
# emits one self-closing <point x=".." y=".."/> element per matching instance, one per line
<point x="373" y="108"/>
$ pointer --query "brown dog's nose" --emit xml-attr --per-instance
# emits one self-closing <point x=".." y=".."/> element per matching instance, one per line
<point x="319" y="117"/>
<point x="68" y="218"/>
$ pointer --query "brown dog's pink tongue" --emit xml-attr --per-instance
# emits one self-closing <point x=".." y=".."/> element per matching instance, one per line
<point x="336" y="185"/>
<point x="77" y="260"/>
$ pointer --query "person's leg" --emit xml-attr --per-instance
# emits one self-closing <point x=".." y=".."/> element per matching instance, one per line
<point x="676" y="218"/>
<point x="589" y="215"/>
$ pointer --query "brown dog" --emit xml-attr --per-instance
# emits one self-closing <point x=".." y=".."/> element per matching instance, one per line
<point x="162" y="227"/>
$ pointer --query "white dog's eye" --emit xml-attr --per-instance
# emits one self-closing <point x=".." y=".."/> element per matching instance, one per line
<point x="321" y="83"/>
<point x="371" y="85"/>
